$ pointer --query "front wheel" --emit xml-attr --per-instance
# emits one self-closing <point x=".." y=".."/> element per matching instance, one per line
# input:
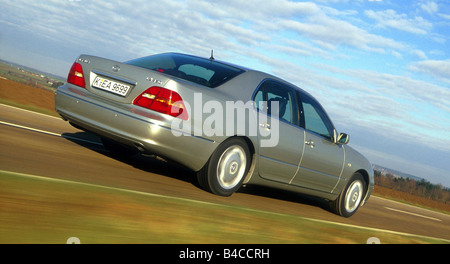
<point x="351" y="197"/>
<point x="226" y="169"/>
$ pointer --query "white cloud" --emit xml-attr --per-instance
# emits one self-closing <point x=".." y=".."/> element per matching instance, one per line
<point x="419" y="53"/>
<point x="253" y="10"/>
<point x="329" y="33"/>
<point x="292" y="46"/>
<point x="419" y="168"/>
<point x="398" y="105"/>
<point x="430" y="7"/>
<point x="250" y="32"/>
<point x="436" y="68"/>
<point x="390" y="18"/>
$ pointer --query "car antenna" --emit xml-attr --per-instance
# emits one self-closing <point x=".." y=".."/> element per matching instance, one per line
<point x="212" y="55"/>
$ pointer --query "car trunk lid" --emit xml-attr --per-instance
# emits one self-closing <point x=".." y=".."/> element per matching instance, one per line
<point x="116" y="81"/>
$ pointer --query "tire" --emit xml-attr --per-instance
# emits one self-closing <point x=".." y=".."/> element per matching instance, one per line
<point x="351" y="196"/>
<point x="226" y="169"/>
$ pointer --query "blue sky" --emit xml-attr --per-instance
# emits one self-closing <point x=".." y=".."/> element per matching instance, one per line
<point x="380" y="68"/>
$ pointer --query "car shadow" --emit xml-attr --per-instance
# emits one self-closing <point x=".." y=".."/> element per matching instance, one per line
<point x="287" y="196"/>
<point x="146" y="163"/>
<point x="157" y="165"/>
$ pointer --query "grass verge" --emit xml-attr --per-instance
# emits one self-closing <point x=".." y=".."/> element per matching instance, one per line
<point x="43" y="210"/>
<point x="29" y="107"/>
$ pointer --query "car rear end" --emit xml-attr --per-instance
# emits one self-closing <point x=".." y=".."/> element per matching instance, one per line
<point x="135" y="103"/>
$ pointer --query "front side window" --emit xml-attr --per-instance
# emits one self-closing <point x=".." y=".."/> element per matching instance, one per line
<point x="315" y="118"/>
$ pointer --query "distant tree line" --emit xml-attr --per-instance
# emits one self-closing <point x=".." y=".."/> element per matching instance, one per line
<point x="420" y="188"/>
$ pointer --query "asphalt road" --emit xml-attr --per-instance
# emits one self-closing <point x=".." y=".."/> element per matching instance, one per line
<point x="41" y="145"/>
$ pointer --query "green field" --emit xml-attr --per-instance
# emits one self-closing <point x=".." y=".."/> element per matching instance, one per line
<point x="43" y="210"/>
<point x="29" y="76"/>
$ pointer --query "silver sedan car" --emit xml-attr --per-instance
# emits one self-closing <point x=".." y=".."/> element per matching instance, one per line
<point x="232" y="125"/>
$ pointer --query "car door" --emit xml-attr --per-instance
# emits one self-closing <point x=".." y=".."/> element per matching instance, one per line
<point x="323" y="160"/>
<point x="280" y="162"/>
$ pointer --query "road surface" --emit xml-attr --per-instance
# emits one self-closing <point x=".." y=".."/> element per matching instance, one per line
<point x="42" y="145"/>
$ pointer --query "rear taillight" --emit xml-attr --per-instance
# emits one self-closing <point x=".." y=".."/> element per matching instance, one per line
<point x="162" y="100"/>
<point x="76" y="75"/>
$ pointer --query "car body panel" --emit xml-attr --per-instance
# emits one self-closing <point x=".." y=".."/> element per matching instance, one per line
<point x="321" y="165"/>
<point x="281" y="163"/>
<point x="132" y="129"/>
<point x="320" y="170"/>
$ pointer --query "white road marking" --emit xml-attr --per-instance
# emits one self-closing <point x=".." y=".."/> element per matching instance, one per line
<point x="28" y="111"/>
<point x="30" y="128"/>
<point x="408" y="205"/>
<point x="418" y="215"/>
<point x="49" y="133"/>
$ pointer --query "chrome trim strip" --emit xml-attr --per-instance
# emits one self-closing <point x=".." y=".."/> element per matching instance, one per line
<point x="115" y="77"/>
<point x="278" y="161"/>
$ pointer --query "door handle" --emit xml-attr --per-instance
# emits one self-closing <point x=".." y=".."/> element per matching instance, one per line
<point x="310" y="143"/>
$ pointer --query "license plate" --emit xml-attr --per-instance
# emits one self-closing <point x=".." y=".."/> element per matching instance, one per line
<point x="111" y="86"/>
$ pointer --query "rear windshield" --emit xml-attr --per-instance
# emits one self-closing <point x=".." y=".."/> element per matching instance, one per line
<point x="198" y="70"/>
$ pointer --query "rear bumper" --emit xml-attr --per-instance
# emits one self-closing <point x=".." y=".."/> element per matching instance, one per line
<point x="129" y="126"/>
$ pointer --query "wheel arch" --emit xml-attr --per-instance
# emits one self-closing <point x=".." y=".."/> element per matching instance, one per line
<point x="252" y="149"/>
<point x="210" y="179"/>
<point x="365" y="175"/>
<point x="368" y="187"/>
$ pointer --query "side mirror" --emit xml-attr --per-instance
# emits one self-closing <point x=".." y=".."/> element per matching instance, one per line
<point x="343" y="138"/>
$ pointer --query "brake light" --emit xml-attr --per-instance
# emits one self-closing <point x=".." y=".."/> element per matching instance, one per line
<point x="76" y="75"/>
<point x="162" y="100"/>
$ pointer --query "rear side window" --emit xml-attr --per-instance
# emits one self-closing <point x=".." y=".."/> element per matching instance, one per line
<point x="272" y="91"/>
<point x="198" y="70"/>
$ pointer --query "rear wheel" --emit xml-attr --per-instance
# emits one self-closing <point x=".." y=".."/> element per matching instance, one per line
<point x="226" y="169"/>
<point x="351" y="197"/>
